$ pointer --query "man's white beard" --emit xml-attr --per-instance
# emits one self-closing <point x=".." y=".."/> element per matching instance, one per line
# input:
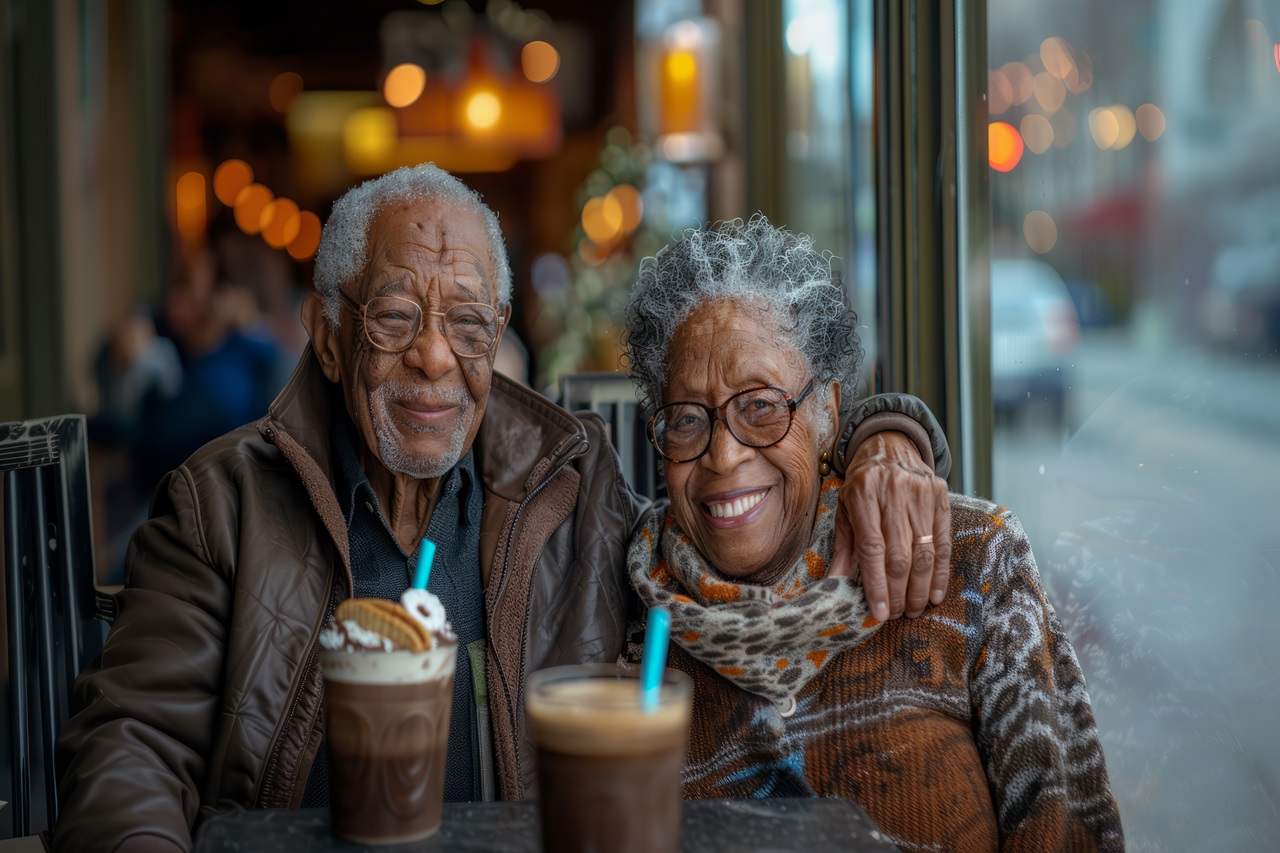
<point x="393" y="454"/>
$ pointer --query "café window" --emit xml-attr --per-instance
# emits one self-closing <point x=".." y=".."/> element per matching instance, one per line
<point x="1135" y="379"/>
<point x="828" y="144"/>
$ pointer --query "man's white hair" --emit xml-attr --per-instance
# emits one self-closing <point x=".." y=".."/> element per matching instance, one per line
<point x="344" y="243"/>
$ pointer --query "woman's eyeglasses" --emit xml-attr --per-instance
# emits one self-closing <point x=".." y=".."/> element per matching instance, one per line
<point x="393" y="323"/>
<point x="757" y="417"/>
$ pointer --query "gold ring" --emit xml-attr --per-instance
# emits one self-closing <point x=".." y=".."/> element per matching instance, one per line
<point x="924" y="540"/>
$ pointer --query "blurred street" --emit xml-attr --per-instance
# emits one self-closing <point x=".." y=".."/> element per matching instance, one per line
<point x="1154" y="525"/>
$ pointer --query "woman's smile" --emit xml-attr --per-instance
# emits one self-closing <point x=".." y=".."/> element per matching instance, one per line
<point x="735" y="509"/>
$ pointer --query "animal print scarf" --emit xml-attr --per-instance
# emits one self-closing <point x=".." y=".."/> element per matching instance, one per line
<point x="768" y="640"/>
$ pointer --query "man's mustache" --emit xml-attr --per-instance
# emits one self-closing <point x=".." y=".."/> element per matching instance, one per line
<point x="423" y="395"/>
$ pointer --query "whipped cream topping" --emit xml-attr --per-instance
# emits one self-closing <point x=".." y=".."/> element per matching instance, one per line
<point x="427" y="611"/>
<point x="348" y="636"/>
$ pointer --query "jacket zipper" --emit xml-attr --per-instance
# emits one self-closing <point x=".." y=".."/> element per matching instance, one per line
<point x="571" y="453"/>
<point x="272" y="766"/>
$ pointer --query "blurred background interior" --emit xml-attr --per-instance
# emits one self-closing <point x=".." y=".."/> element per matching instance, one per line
<point x="1059" y="223"/>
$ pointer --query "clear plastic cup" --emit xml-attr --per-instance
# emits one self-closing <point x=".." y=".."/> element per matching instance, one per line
<point x="609" y="774"/>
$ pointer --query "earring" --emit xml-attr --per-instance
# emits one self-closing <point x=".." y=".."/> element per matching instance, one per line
<point x="824" y="464"/>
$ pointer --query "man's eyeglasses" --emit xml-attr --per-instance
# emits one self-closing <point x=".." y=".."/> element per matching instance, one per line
<point x="393" y="323"/>
<point x="757" y="417"/>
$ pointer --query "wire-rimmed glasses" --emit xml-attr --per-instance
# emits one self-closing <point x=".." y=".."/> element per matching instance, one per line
<point x="393" y="323"/>
<point x="757" y="417"/>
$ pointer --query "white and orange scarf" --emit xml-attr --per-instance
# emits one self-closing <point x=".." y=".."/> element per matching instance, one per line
<point x="768" y="640"/>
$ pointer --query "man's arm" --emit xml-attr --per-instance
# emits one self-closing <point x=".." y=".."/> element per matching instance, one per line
<point x="893" y="531"/>
<point x="132" y="758"/>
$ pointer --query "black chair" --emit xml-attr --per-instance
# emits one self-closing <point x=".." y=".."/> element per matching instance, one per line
<point x="55" y="610"/>
<point x="613" y="397"/>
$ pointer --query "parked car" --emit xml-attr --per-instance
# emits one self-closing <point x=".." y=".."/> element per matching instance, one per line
<point x="1034" y="328"/>
<point x="1241" y="309"/>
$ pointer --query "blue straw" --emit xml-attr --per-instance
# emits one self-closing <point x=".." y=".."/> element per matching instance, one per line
<point x="426" y="554"/>
<point x="654" y="660"/>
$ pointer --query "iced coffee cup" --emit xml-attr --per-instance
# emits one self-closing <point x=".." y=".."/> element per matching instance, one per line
<point x="609" y="772"/>
<point x="388" y="692"/>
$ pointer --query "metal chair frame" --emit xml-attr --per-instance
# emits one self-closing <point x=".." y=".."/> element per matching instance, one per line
<point x="49" y="574"/>
<point x="613" y="397"/>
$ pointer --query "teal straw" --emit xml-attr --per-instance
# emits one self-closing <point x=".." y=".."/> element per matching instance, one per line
<point x="654" y="660"/>
<point x="426" y="554"/>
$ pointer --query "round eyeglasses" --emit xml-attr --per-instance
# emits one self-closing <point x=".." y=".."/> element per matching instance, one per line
<point x="393" y="323"/>
<point x="757" y="417"/>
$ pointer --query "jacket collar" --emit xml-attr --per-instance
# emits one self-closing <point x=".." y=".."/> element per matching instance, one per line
<point x="304" y="408"/>
<point x="297" y="423"/>
<point x="522" y="438"/>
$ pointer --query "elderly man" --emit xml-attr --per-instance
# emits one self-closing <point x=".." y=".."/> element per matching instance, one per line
<point x="393" y="427"/>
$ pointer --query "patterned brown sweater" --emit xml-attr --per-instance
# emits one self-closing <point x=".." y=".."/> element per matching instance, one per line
<point x="966" y="729"/>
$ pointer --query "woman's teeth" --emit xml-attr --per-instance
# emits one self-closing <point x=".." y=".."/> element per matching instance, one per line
<point x="733" y="509"/>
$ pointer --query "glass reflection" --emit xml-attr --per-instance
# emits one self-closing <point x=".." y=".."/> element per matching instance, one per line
<point x="1136" y="365"/>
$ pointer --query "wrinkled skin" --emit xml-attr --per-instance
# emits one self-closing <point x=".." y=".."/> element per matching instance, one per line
<point x="885" y="477"/>
<point x="417" y="411"/>
<point x="890" y="497"/>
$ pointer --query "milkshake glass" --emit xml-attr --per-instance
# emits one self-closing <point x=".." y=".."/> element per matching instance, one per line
<point x="387" y="726"/>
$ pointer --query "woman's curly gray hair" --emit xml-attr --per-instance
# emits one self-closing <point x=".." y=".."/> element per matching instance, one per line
<point x="754" y="263"/>
<point x="344" y="243"/>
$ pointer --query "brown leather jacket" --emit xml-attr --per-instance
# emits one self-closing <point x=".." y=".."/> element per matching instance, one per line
<point x="207" y="695"/>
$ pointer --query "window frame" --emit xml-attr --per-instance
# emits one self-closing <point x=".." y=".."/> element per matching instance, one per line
<point x="933" y="221"/>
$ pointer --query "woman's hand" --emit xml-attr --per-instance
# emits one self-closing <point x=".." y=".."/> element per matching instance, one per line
<point x="889" y="502"/>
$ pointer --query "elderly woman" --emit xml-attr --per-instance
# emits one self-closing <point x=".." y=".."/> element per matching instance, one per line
<point x="968" y="728"/>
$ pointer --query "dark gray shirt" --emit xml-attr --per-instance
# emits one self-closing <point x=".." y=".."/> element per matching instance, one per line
<point x="381" y="569"/>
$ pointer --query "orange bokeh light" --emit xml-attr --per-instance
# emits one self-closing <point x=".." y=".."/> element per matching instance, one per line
<point x="1105" y="127"/>
<point x="602" y="220"/>
<point x="483" y="110"/>
<point x="1277" y="52"/>
<point x="628" y="198"/>
<point x="1055" y="55"/>
<point x="306" y="242"/>
<point x="229" y="178"/>
<point x="250" y="202"/>
<point x="190" y="190"/>
<point x="279" y="222"/>
<point x="539" y="61"/>
<point x="189" y="195"/>
<point x="1004" y="146"/>
<point x="404" y="84"/>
